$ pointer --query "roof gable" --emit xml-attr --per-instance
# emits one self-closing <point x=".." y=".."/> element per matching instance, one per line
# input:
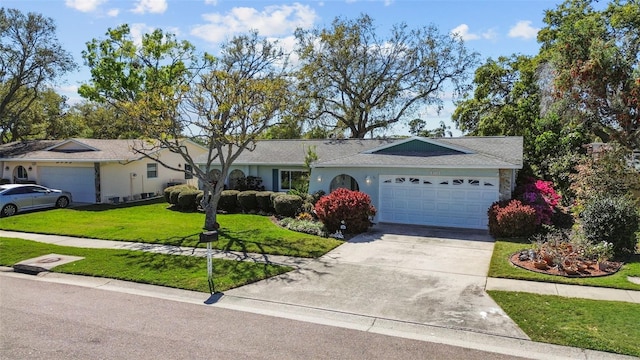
<point x="417" y="147"/>
<point x="71" y="146"/>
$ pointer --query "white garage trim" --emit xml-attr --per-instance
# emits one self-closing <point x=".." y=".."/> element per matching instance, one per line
<point x="451" y="201"/>
<point x="80" y="181"/>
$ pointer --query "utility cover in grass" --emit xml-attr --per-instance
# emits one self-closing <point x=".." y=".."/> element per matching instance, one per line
<point x="44" y="263"/>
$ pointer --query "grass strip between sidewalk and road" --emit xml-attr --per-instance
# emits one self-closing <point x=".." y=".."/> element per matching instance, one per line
<point x="501" y="267"/>
<point x="154" y="222"/>
<point x="591" y="324"/>
<point x="177" y="271"/>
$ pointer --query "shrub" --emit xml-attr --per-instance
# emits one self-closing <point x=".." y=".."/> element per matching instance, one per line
<point x="613" y="219"/>
<point x="304" y="226"/>
<point x="304" y="216"/>
<point x="317" y="195"/>
<point x="247" y="201"/>
<point x="511" y="218"/>
<point x="287" y="205"/>
<point x="263" y="198"/>
<point x="167" y="192"/>
<point x="187" y="199"/>
<point x="228" y="200"/>
<point x="274" y="196"/>
<point x="352" y="207"/>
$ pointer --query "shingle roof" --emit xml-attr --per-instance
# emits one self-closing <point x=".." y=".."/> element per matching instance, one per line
<point x="494" y="152"/>
<point x="94" y="150"/>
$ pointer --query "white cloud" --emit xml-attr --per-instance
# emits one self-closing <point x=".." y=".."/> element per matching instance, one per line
<point x="462" y="31"/>
<point x="150" y="6"/>
<point x="273" y="20"/>
<point x="211" y="2"/>
<point x="523" y="29"/>
<point x="137" y="30"/>
<point x="388" y="2"/>
<point x="113" y="12"/>
<point x="84" y="5"/>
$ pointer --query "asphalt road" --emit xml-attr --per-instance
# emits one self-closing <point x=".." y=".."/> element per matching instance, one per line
<point x="42" y="320"/>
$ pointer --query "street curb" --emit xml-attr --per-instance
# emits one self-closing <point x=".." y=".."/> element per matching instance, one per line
<point x="403" y="329"/>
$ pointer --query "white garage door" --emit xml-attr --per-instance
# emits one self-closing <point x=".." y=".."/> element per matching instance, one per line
<point x="437" y="200"/>
<point x="80" y="181"/>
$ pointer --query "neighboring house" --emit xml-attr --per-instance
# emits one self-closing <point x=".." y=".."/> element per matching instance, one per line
<point x="440" y="182"/>
<point x="94" y="170"/>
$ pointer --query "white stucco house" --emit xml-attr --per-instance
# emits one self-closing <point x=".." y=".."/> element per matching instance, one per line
<point x="94" y="170"/>
<point x="447" y="182"/>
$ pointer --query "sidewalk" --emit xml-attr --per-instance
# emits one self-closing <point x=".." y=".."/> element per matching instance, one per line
<point x="156" y="248"/>
<point x="575" y="291"/>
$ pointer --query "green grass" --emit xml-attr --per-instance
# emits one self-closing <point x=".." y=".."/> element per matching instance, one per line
<point x="154" y="222"/>
<point x="183" y="272"/>
<point x="501" y="267"/>
<point x="599" y="325"/>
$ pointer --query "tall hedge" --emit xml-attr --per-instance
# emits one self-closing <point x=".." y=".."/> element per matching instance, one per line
<point x="187" y="200"/>
<point x="263" y="198"/>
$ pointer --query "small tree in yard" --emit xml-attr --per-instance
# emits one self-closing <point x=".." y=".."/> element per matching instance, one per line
<point x="172" y="93"/>
<point x="352" y="207"/>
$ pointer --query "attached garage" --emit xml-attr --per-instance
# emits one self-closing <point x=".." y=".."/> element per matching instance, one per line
<point x="80" y="181"/>
<point x="460" y="201"/>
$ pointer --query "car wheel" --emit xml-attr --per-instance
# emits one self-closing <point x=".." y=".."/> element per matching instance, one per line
<point x="9" y="210"/>
<point x="62" y="202"/>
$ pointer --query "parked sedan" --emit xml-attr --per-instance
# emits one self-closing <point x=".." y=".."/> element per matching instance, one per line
<point x="15" y="198"/>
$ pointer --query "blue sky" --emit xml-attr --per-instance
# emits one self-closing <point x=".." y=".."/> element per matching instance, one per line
<point x="492" y="28"/>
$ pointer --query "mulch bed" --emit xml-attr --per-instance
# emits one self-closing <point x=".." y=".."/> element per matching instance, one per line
<point x="591" y="271"/>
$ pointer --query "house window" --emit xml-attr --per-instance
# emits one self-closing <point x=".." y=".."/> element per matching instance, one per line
<point x="292" y="179"/>
<point x="187" y="171"/>
<point x="474" y="182"/>
<point x="458" y="181"/>
<point x="152" y="170"/>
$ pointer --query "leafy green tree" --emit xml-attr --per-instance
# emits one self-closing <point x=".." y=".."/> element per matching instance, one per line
<point x="103" y="121"/>
<point x="595" y="56"/>
<point x="417" y="128"/>
<point x="359" y="81"/>
<point x="505" y="101"/>
<point x="31" y="57"/>
<point x="172" y="93"/>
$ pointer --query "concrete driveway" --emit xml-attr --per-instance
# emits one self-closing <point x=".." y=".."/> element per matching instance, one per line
<point x="415" y="274"/>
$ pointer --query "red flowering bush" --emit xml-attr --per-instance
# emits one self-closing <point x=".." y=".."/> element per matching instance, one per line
<point x="512" y="218"/>
<point x="352" y="207"/>
<point x="540" y="195"/>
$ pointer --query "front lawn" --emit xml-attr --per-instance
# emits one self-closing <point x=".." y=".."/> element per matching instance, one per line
<point x="501" y="267"/>
<point x="183" y="272"/>
<point x="154" y="222"/>
<point x="599" y="325"/>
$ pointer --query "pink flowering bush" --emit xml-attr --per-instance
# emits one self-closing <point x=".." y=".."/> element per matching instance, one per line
<point x="541" y="196"/>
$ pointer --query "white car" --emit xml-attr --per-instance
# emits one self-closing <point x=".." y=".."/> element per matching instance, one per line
<point x="15" y="198"/>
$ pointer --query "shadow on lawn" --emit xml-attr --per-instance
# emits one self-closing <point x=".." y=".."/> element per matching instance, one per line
<point x="105" y="207"/>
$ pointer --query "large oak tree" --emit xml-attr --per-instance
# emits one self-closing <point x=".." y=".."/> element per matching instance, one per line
<point x="360" y="81"/>
<point x="31" y="59"/>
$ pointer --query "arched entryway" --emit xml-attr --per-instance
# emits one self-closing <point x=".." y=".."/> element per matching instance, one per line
<point x="20" y="174"/>
<point x="235" y="178"/>
<point x="344" y="181"/>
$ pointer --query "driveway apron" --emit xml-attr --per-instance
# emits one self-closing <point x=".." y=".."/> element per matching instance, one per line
<point x="416" y="274"/>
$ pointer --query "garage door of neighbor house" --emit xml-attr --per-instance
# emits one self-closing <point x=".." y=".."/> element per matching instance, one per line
<point x="450" y="201"/>
<point x="80" y="181"/>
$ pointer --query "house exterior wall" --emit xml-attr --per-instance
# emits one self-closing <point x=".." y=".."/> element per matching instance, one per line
<point x="371" y="188"/>
<point x="265" y="172"/>
<point x="131" y="180"/>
